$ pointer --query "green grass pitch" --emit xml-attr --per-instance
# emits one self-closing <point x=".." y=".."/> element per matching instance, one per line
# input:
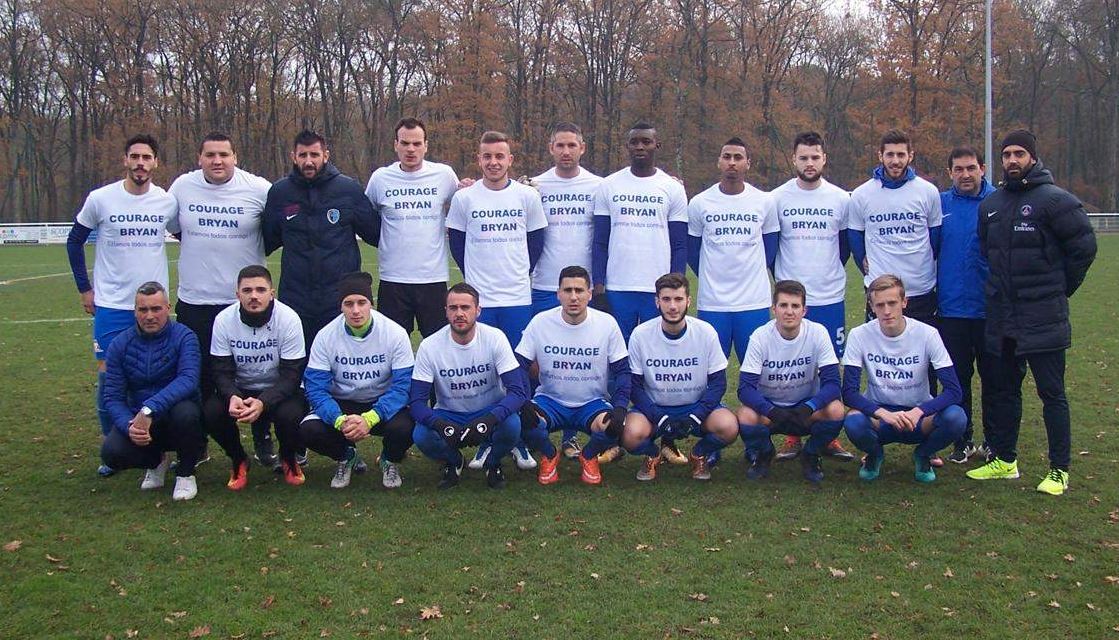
<point x="93" y="558"/>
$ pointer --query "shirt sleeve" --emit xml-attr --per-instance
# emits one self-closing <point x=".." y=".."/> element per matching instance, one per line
<point x="616" y="344"/>
<point x="677" y="201"/>
<point x="937" y="353"/>
<point x="842" y="212"/>
<point x="291" y="342"/>
<point x="635" y="357"/>
<point x="534" y="211"/>
<point x="716" y="359"/>
<point x="90" y="213"/>
<point x="526" y="348"/>
<point x="752" y="362"/>
<point x="503" y="354"/>
<point x="173" y="219"/>
<point x="853" y="350"/>
<point x="456" y="216"/>
<point x="402" y="357"/>
<point x="936" y="212"/>
<point x="219" y="340"/>
<point x="855" y="213"/>
<point x="695" y="218"/>
<point x="825" y="352"/>
<point x="771" y="223"/>
<point x="318" y="359"/>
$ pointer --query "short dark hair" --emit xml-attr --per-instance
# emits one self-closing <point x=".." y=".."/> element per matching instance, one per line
<point x="254" y="271"/>
<point x="642" y="125"/>
<point x="574" y="271"/>
<point x="463" y="287"/>
<point x="409" y="123"/>
<point x="143" y="138"/>
<point x="150" y="288"/>
<point x="216" y="136"/>
<point x="895" y="136"/>
<point x="308" y="138"/>
<point x="809" y="139"/>
<point x="737" y="142"/>
<point x="673" y="281"/>
<point x="492" y="137"/>
<point x="790" y="287"/>
<point x="566" y="127"/>
<point x="965" y="152"/>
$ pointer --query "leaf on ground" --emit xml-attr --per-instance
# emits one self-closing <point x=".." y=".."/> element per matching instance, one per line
<point x="520" y="587"/>
<point x="53" y="559"/>
<point x="676" y="512"/>
<point x="595" y="576"/>
<point x="712" y="549"/>
<point x="895" y="594"/>
<point x="14" y="545"/>
<point x="1069" y="557"/>
<point x="198" y="632"/>
<point x="268" y="602"/>
<point x="1091" y="607"/>
<point x="948" y="573"/>
<point x="431" y="613"/>
<point x="837" y="573"/>
<point x="325" y="633"/>
<point x="699" y="597"/>
<point x="1054" y="604"/>
<point x="643" y="547"/>
<point x="178" y="614"/>
<point x="398" y="601"/>
<point x="131" y="633"/>
<point x="325" y="602"/>
<point x="790" y="560"/>
<point x="1111" y="579"/>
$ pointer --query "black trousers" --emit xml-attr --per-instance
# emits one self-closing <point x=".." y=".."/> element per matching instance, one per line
<point x="963" y="337"/>
<point x="423" y="304"/>
<point x="179" y="431"/>
<point x="1008" y="370"/>
<point x="286" y="417"/>
<point x="324" y="439"/>
<point x="199" y="318"/>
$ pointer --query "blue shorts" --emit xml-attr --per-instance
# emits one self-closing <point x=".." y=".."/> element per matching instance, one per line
<point x="734" y="327"/>
<point x="833" y="317"/>
<point x="631" y="308"/>
<point x="559" y="417"/>
<point x="510" y="320"/>
<point x="107" y="324"/>
<point x="543" y="300"/>
<point x="678" y="412"/>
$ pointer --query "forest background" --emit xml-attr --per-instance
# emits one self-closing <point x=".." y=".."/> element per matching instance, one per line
<point x="78" y="76"/>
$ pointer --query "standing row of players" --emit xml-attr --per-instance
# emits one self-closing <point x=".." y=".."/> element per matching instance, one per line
<point x="511" y="240"/>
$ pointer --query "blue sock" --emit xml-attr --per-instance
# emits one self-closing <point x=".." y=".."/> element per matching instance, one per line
<point x="708" y="444"/>
<point x="599" y="442"/>
<point x="823" y="432"/>
<point x="948" y="426"/>
<point x="755" y="437"/>
<point x="646" y="448"/>
<point x="568" y="434"/>
<point x="99" y="402"/>
<point x="538" y="439"/>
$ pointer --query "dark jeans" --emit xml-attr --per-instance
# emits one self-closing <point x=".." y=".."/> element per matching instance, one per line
<point x="1008" y="370"/>
<point x="963" y="337"/>
<point x="286" y="417"/>
<point x="199" y="318"/>
<point x="179" y="431"/>
<point x="424" y="304"/>
<point x="324" y="439"/>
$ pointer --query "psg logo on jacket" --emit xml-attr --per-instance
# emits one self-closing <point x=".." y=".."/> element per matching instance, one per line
<point x="333" y="215"/>
<point x="1027" y="210"/>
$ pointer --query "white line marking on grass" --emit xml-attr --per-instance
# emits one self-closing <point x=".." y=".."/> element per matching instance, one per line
<point x="45" y="320"/>
<point x="49" y="275"/>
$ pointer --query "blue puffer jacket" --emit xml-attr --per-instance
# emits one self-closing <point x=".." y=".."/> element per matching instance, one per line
<point x="961" y="268"/>
<point x="157" y="371"/>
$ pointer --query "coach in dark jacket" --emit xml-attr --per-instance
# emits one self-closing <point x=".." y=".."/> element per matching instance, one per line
<point x="151" y="394"/>
<point x="314" y="214"/>
<point x="1039" y="244"/>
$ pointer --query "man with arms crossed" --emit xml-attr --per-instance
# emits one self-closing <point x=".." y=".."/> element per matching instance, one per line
<point x="151" y="394"/>
<point x="411" y="198"/>
<point x="130" y="217"/>
<point x="812" y="249"/>
<point x="789" y="383"/>
<point x="1039" y="244"/>
<point x="479" y="390"/>
<point x="640" y="231"/>
<point x="960" y="277"/>
<point x="218" y="224"/>
<point x="357" y="382"/>
<point x="580" y="356"/>
<point x="258" y="356"/>
<point x="897" y="352"/>
<point x="679" y="376"/>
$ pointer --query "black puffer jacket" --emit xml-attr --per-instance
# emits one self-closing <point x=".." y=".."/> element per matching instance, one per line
<point x="1039" y="244"/>
<point x="315" y="221"/>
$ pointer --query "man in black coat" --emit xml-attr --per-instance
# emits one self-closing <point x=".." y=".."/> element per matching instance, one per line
<point x="314" y="214"/>
<point x="1039" y="243"/>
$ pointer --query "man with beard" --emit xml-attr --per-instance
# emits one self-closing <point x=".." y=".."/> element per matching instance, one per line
<point x="812" y="250"/>
<point x="1039" y="244"/>
<point x="130" y="217"/>
<point x="315" y="213"/>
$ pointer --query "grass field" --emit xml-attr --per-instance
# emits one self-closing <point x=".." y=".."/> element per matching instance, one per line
<point x="93" y="558"/>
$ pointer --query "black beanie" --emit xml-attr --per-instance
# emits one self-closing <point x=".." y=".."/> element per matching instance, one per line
<point x="355" y="282"/>
<point x="1023" y="138"/>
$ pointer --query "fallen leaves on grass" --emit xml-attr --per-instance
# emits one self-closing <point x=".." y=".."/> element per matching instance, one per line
<point x="53" y="559"/>
<point x="948" y="573"/>
<point x="1111" y="579"/>
<point x="268" y="602"/>
<point x="14" y="545"/>
<point x="398" y="601"/>
<point x="790" y="560"/>
<point x="837" y="573"/>
<point x="699" y="597"/>
<point x="1054" y="604"/>
<point x="595" y="576"/>
<point x="431" y="613"/>
<point x="198" y="632"/>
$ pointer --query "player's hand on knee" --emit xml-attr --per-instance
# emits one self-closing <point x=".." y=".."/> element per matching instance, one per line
<point x="449" y="431"/>
<point x="480" y="429"/>
<point x="530" y="418"/>
<point x="615" y="422"/>
<point x="802" y="415"/>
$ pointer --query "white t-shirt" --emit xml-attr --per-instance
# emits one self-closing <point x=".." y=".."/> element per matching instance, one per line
<point x="808" y="251"/>
<point x="497" y="224"/>
<point x="413" y="249"/>
<point x="897" y="369"/>
<point x="467" y="377"/>
<point x="574" y="359"/>
<point x="569" y="207"/>
<point x="361" y="368"/>
<point x="220" y="226"/>
<point x="130" y="241"/>
<point x="256" y="351"/>
<point x="732" y="271"/>
<point x="896" y="223"/>
<point x="639" y="210"/>
<point x="675" y="371"/>
<point x="788" y="370"/>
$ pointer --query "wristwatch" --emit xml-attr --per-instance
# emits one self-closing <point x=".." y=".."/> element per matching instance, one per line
<point x="146" y="410"/>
